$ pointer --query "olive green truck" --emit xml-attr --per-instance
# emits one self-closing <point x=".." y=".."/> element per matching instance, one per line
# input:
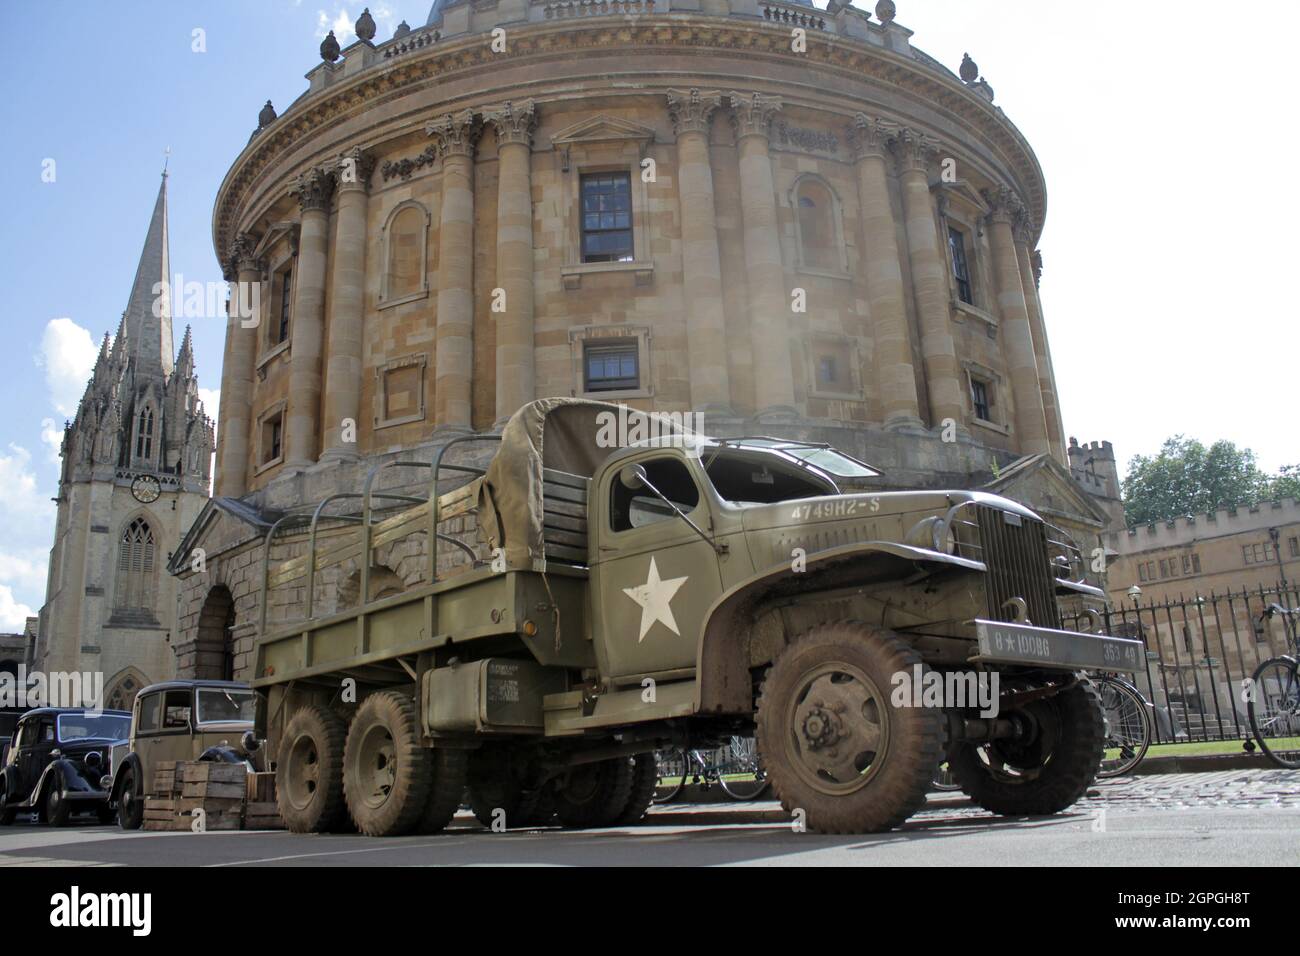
<point x="625" y="586"/>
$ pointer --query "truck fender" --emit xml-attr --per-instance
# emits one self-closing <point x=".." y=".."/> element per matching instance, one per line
<point x="131" y="760"/>
<point x="10" y="777"/>
<point x="722" y="680"/>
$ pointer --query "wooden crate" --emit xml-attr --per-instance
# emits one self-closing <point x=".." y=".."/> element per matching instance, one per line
<point x="208" y="789"/>
<point x="160" y="813"/>
<point x="207" y="771"/>
<point x="261" y="788"/>
<point x="262" y="816"/>
<point x="168" y="777"/>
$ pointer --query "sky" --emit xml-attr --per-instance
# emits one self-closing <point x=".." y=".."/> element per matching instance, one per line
<point x="1166" y="132"/>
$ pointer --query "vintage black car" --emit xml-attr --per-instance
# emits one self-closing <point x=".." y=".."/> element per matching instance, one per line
<point x="56" y="762"/>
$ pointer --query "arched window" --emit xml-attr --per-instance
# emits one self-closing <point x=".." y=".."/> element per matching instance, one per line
<point x="818" y="241"/>
<point x="404" y="269"/>
<point x="135" y="567"/>
<point x="144" y="434"/>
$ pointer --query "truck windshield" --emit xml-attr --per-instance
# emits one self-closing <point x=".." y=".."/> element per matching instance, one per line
<point x="222" y="705"/>
<point x="760" y="476"/>
<point x="88" y="727"/>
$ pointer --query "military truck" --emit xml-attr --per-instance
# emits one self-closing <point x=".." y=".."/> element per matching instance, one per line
<point x="632" y="588"/>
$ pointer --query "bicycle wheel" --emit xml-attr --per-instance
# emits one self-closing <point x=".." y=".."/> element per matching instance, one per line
<point x="741" y="773"/>
<point x="1274" y="709"/>
<point x="1128" y="727"/>
<point x="673" y="766"/>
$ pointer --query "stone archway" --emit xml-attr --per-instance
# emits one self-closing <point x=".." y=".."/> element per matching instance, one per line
<point x="215" y="657"/>
<point x="123" y="688"/>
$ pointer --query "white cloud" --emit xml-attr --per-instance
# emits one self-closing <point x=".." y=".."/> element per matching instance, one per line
<point x="27" y="571"/>
<point x="211" y="399"/>
<point x="27" y="516"/>
<point x="67" y="354"/>
<point x="52" y="439"/>
<point x="13" y="614"/>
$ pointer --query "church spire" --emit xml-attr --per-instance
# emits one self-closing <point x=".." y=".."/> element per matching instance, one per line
<point x="149" y="335"/>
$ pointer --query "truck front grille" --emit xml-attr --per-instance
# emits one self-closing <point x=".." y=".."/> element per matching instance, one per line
<point x="1015" y="552"/>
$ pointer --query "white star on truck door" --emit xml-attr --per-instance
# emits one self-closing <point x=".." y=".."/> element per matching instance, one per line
<point x="655" y="597"/>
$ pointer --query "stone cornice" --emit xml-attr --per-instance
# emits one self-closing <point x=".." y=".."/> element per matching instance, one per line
<point x="513" y="122"/>
<point x="752" y="113"/>
<point x="699" y="34"/>
<point x="691" y="110"/>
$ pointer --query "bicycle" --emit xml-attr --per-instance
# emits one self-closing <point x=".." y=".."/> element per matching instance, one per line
<point x="1273" y="698"/>
<point x="1127" y="717"/>
<point x="735" y="768"/>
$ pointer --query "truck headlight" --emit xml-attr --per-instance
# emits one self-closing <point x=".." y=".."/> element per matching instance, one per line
<point x="944" y="537"/>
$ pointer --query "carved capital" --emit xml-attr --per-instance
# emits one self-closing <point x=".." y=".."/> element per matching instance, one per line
<point x="691" y="110"/>
<point x="455" y="134"/>
<point x="1004" y="204"/>
<point x="1022" y="226"/>
<point x="353" y="169"/>
<point x="752" y="113"/>
<point x="313" y="189"/>
<point x="513" y="122"/>
<point x="1036" y="261"/>
<point x="242" y="257"/>
<point x="869" y="136"/>
<point x="915" y="150"/>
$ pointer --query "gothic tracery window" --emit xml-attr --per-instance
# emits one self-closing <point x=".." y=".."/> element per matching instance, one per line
<point x="144" y="434"/>
<point x="135" y="566"/>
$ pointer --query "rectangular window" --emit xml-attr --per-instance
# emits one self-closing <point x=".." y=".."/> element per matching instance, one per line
<point x="1294" y="544"/>
<point x="609" y="368"/>
<point x="1258" y="553"/>
<point x="1142" y="572"/>
<point x="286" y="303"/>
<point x="1196" y="564"/>
<point x="606" y="217"/>
<point x="1164" y="568"/>
<point x="979" y="396"/>
<point x="960" y="268"/>
<point x="272" y="437"/>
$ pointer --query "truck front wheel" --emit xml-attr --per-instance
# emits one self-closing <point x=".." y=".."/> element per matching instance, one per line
<point x="495" y="793"/>
<point x="835" y="747"/>
<point x="309" y="772"/>
<point x="1045" y="769"/>
<point x="387" y="773"/>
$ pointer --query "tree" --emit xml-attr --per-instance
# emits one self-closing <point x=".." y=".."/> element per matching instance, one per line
<point x="1286" y="484"/>
<point x="1188" y="478"/>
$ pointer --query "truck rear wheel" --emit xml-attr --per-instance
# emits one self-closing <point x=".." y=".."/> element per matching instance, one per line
<point x="387" y="773"/>
<point x="1046" y="770"/>
<point x="450" y="768"/>
<point x="493" y="787"/>
<point x="834" y="746"/>
<point x="645" y="774"/>
<point x="594" y="794"/>
<point x="309" y="771"/>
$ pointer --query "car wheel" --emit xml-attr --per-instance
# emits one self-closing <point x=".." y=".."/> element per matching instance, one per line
<point x="57" y="806"/>
<point x="130" y="804"/>
<point x="7" y="813"/>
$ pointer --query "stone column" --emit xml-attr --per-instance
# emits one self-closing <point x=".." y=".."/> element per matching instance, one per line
<point x="769" y="309"/>
<point x="455" y="135"/>
<point x="515" y="375"/>
<point x="1017" y="338"/>
<point x="347" y="306"/>
<point x="1042" y="351"/>
<point x="929" y="279"/>
<point x="235" y="415"/>
<point x="706" y="345"/>
<point x="884" y="274"/>
<point x="307" y="336"/>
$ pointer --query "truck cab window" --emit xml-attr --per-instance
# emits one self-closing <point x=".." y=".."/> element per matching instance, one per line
<point x="760" y="478"/>
<point x="637" y="507"/>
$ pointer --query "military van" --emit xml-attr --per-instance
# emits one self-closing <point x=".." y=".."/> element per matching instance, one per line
<point x="671" y="590"/>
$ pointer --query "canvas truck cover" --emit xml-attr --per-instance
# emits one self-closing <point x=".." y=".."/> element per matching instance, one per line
<point x="571" y="435"/>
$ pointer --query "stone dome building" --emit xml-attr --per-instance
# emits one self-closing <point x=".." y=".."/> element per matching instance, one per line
<point x="786" y="218"/>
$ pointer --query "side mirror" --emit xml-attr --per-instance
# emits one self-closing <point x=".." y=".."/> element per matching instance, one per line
<point x="632" y="477"/>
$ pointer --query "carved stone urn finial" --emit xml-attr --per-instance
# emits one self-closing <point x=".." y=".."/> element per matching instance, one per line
<point x="329" y="48"/>
<point x="365" y="26"/>
<point x="267" y="116"/>
<point x="969" y="70"/>
<point x="402" y="30"/>
<point x="885" y="10"/>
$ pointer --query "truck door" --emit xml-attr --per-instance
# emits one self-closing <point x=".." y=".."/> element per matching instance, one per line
<point x="654" y="576"/>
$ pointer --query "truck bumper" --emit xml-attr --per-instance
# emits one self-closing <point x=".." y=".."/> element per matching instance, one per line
<point x="1003" y="643"/>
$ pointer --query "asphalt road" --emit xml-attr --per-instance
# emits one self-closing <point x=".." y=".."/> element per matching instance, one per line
<point x="1245" y="818"/>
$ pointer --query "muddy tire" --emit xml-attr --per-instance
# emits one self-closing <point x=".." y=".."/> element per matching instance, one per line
<point x="387" y="773"/>
<point x="645" y="774"/>
<point x="493" y="786"/>
<point x="594" y="794"/>
<point x="1048" y="772"/>
<point x="832" y="744"/>
<point x="309" y="772"/>
<point x="449" y="769"/>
